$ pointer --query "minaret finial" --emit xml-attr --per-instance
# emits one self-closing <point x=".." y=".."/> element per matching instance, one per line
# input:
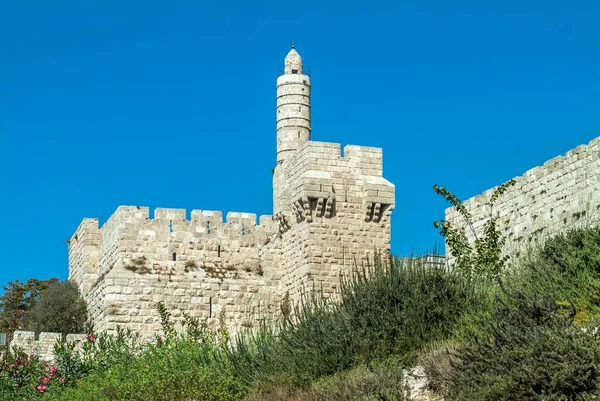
<point x="293" y="45"/>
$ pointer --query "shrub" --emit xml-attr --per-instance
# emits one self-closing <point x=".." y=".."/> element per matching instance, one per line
<point x="178" y="366"/>
<point x="378" y="381"/>
<point x="483" y="257"/>
<point x="390" y="309"/>
<point x="530" y="351"/>
<point x="568" y="266"/>
<point x="183" y="371"/>
<point x="437" y="365"/>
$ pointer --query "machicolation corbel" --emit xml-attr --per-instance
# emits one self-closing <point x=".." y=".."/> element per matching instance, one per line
<point x="282" y="222"/>
<point x="307" y="206"/>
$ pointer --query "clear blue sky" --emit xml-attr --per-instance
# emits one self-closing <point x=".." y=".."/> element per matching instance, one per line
<point x="172" y="104"/>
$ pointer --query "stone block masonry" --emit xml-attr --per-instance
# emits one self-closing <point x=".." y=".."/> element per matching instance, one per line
<point x="331" y="212"/>
<point x="43" y="346"/>
<point x="197" y="266"/>
<point x="546" y="200"/>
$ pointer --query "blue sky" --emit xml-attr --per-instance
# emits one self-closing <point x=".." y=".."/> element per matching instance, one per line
<point x="172" y="104"/>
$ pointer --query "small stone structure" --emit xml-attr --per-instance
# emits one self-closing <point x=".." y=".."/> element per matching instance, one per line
<point x="331" y="212"/>
<point x="563" y="193"/>
<point x="43" y="346"/>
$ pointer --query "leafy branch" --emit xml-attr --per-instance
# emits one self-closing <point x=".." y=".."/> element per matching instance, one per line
<point x="484" y="256"/>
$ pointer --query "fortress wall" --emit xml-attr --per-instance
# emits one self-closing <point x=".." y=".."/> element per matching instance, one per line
<point x="131" y="297"/>
<point x="546" y="200"/>
<point x="42" y="347"/>
<point x="198" y="266"/>
<point x="84" y="255"/>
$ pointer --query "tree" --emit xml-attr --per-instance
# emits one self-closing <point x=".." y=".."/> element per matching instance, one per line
<point x="60" y="309"/>
<point x="484" y="257"/>
<point x="18" y="300"/>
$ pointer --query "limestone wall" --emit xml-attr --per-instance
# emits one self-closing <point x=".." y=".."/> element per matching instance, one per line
<point x="84" y="254"/>
<point x="546" y="200"/>
<point x="43" y="346"/>
<point x="333" y="213"/>
<point x="199" y="266"/>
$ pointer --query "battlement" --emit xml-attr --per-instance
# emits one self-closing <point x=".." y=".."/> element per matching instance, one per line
<point x="331" y="209"/>
<point x="43" y="346"/>
<point x="562" y="193"/>
<point x="178" y="218"/>
<point x="208" y="221"/>
<point x="367" y="160"/>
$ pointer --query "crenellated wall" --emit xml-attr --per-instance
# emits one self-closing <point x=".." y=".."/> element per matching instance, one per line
<point x="43" y="346"/>
<point x="546" y="200"/>
<point x="198" y="266"/>
<point x="333" y="212"/>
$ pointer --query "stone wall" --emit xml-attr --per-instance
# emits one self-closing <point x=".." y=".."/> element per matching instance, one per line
<point x="546" y="200"/>
<point x="333" y="212"/>
<point x="199" y="266"/>
<point x="43" y="346"/>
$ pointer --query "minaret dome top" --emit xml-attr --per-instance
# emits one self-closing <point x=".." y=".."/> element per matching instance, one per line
<point x="293" y="62"/>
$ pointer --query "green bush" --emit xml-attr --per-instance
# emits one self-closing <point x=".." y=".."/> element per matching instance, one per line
<point x="568" y="266"/>
<point x="178" y="366"/>
<point x="374" y="382"/>
<point x="391" y="309"/>
<point x="182" y="370"/>
<point x="531" y="350"/>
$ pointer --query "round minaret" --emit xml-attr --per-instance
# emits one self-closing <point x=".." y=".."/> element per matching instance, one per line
<point x="293" y="106"/>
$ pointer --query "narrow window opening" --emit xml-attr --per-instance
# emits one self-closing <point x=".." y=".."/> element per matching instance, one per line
<point x="208" y="227"/>
<point x="294" y="71"/>
<point x="170" y="226"/>
<point x="174" y="256"/>
<point x="219" y="251"/>
<point x="210" y="307"/>
<point x="299" y="108"/>
<point x="298" y="135"/>
<point x="243" y="230"/>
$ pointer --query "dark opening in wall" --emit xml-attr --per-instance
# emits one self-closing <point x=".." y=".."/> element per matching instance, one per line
<point x="219" y="251"/>
<point x="174" y="256"/>
<point x="210" y="307"/>
<point x="170" y="226"/>
<point x="294" y="71"/>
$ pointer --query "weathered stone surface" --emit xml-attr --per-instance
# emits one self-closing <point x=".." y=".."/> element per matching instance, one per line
<point x="563" y="193"/>
<point x="330" y="213"/>
<point x="44" y="345"/>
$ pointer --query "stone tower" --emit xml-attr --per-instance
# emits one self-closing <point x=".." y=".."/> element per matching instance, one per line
<point x="331" y="212"/>
<point x="293" y="106"/>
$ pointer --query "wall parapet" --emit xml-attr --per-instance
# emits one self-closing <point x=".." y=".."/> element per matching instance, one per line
<point x="43" y="346"/>
<point x="561" y="194"/>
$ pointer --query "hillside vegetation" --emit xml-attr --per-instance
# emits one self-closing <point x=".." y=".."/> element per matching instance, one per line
<point x="525" y="333"/>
